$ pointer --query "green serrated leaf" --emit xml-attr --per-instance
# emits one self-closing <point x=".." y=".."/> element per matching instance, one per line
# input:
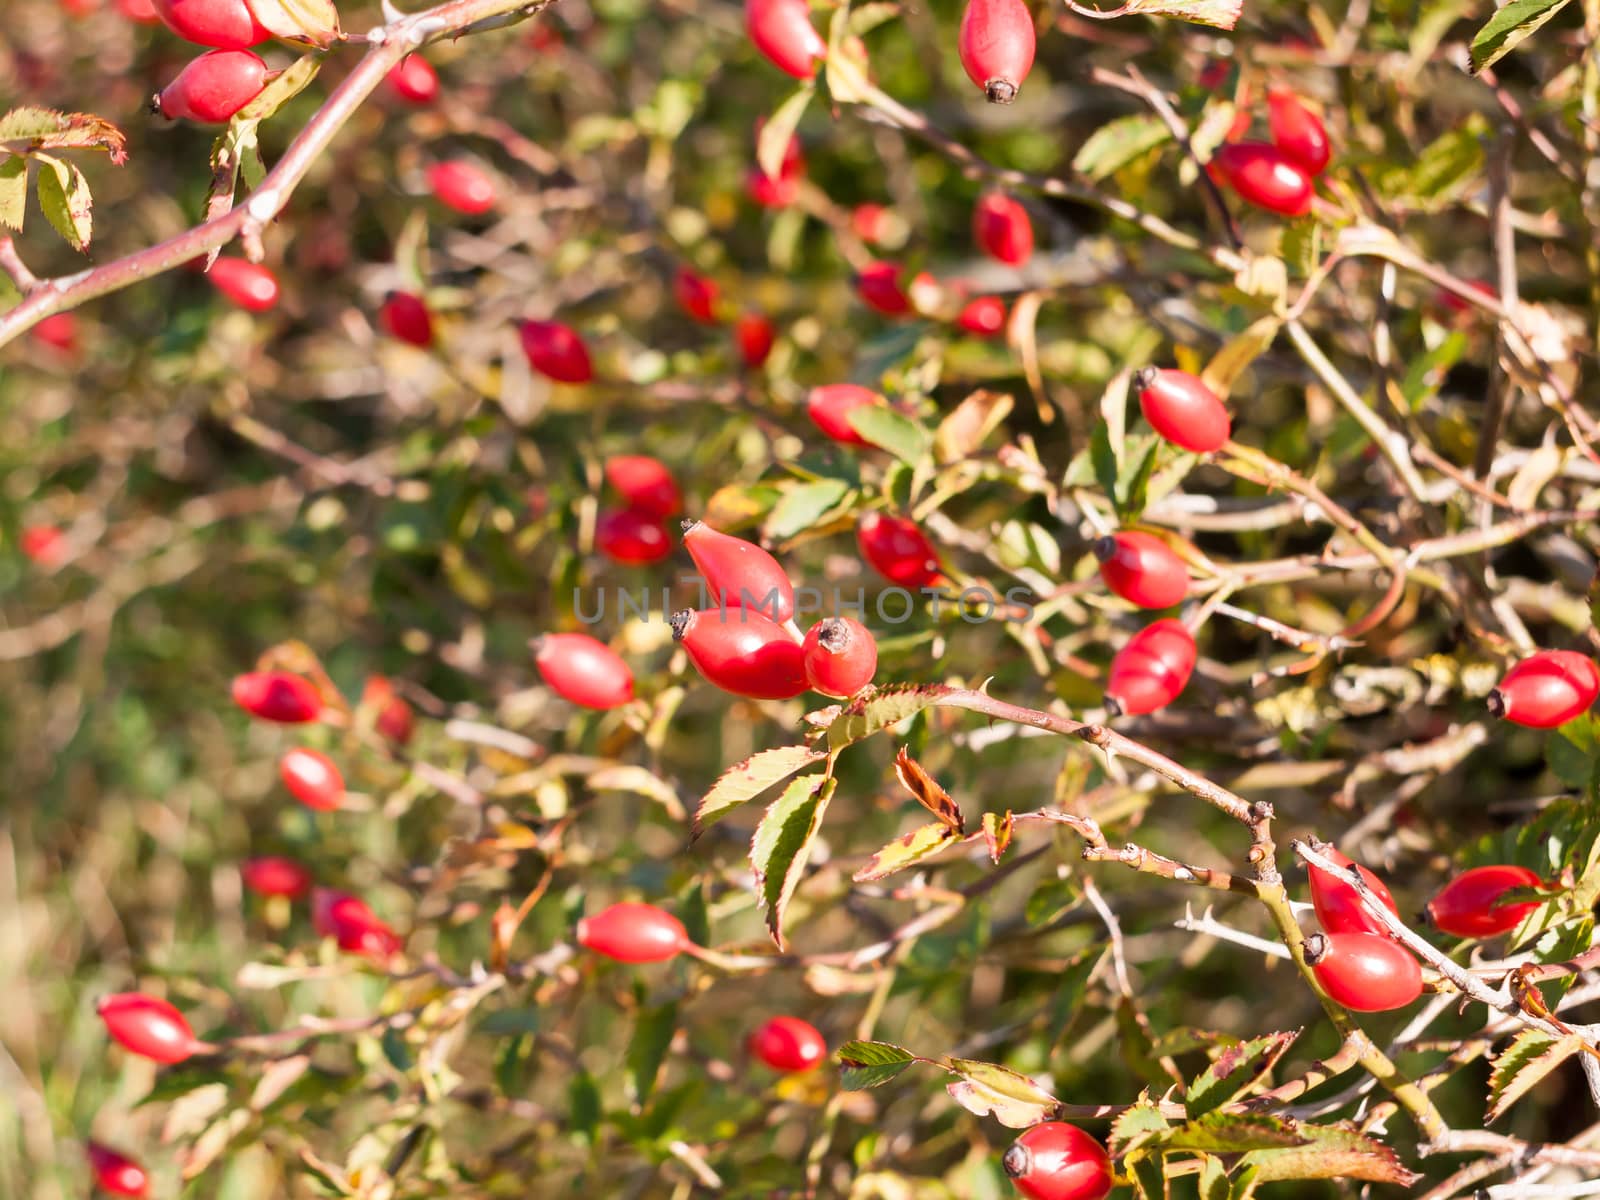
<point x="1233" y="1133"/>
<point x="867" y="715"/>
<point x="907" y="851"/>
<point x="987" y="1089"/>
<point x="652" y="1035"/>
<point x="1331" y="1153"/>
<point x="1234" y="1070"/>
<point x="1518" y="1068"/>
<point x="891" y="431"/>
<point x="748" y="779"/>
<point x="13" y="191"/>
<point x="1507" y="28"/>
<point x="803" y="504"/>
<point x="1117" y="143"/>
<point x="868" y="1064"/>
<point x="1137" y="1126"/>
<point x="782" y="844"/>
<point x="48" y="129"/>
<point x="773" y="144"/>
<point x="64" y="196"/>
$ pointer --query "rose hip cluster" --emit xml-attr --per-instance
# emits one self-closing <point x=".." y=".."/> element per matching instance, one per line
<point x="215" y="86"/>
<point x="1277" y="175"/>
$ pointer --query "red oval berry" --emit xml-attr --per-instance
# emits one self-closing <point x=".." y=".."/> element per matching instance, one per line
<point x="213" y="87"/>
<point x="1469" y="905"/>
<point x="696" y="295"/>
<point x="556" y="351"/>
<point x="755" y="336"/>
<point x="225" y="24"/>
<point x="277" y="696"/>
<point x="249" y="285"/>
<point x="625" y="535"/>
<point x="984" y="316"/>
<point x="781" y="190"/>
<point x="788" y="1044"/>
<point x="1366" y="972"/>
<point x="878" y="285"/>
<point x="463" y="186"/>
<point x="782" y="30"/>
<point x="404" y="315"/>
<point x="739" y="574"/>
<point x="1151" y="671"/>
<point x="583" y="670"/>
<point x="1338" y="904"/>
<point x="148" y="1026"/>
<point x="276" y="876"/>
<point x="312" y="778"/>
<point x="740" y="651"/>
<point x="394" y="719"/>
<point x="1057" y="1161"/>
<point x="1265" y="176"/>
<point x="351" y="923"/>
<point x="414" y="80"/>
<point x="830" y="407"/>
<point x="1547" y="689"/>
<point x="898" y="550"/>
<point x="43" y="544"/>
<point x="841" y="656"/>
<point x="1142" y="569"/>
<point x="645" y="483"/>
<point x="870" y="222"/>
<point x="1182" y="409"/>
<point x="59" y="330"/>
<point x="116" y="1173"/>
<point x="1002" y="229"/>
<point x="633" y="933"/>
<point x="996" y="44"/>
<point x="1297" y="131"/>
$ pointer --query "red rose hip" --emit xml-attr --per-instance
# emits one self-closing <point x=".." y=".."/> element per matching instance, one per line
<point x="782" y="30"/>
<point x="739" y="574"/>
<point x="556" y="351"/>
<point x="1152" y="670"/>
<point x="1469" y="905"/>
<point x="116" y="1173"/>
<point x="213" y="87"/>
<point x="225" y="24"/>
<point x="626" y="535"/>
<point x="58" y="331"/>
<point x="1057" y="1161"/>
<point x="645" y="483"/>
<point x="394" y="719"/>
<point x="841" y="656"/>
<point x="740" y="651"/>
<point x="633" y="933"/>
<point x="898" y="550"/>
<point x="312" y="778"/>
<point x="830" y="407"/>
<point x="148" y="1026"/>
<point x="463" y="186"/>
<point x="250" y="285"/>
<point x="788" y="1044"/>
<point x="1002" y="229"/>
<point x="1182" y="409"/>
<point x="755" y="336"/>
<point x="272" y="875"/>
<point x="1366" y="972"/>
<point x="1297" y="131"/>
<point x="405" y="316"/>
<point x="984" y="316"/>
<point x="1265" y="176"/>
<point x="277" y="696"/>
<point x="1142" y="569"/>
<point x="583" y="670"/>
<point x="43" y="544"/>
<point x="353" y="925"/>
<point x="1338" y="904"/>
<point x="414" y="80"/>
<point x="878" y="285"/>
<point x="696" y="295"/>
<point x="996" y="43"/>
<point x="1547" y="689"/>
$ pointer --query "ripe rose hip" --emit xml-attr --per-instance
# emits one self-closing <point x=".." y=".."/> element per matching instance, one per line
<point x="996" y="44"/>
<point x="463" y="186"/>
<point x="272" y="875"/>
<point x="404" y="315"/>
<point x="277" y="696"/>
<point x="626" y="535"/>
<point x="1057" y="1161"/>
<point x="984" y="316"/>
<point x="782" y="30"/>
<point x="312" y="778"/>
<point x="556" y="351"/>
<point x="59" y="330"/>
<point x="148" y="1026"/>
<point x="898" y="550"/>
<point x="755" y="335"/>
<point x="116" y="1173"/>
<point x="788" y="1044"/>
<point x="1338" y="904"/>
<point x="878" y="285"/>
<point x="696" y="295"/>
<point x="739" y="574"/>
<point x="1142" y="569"/>
<point x="633" y="933"/>
<point x="1468" y="906"/>
<point x="1183" y="409"/>
<point x="249" y="285"/>
<point x="1297" y="131"/>
<point x="583" y="670"/>
<point x="841" y="656"/>
<point x="225" y="24"/>
<point x="1151" y="671"/>
<point x="395" y="719"/>
<point x="356" y="928"/>
<point x="1002" y="229"/>
<point x="1547" y="689"/>
<point x="213" y="87"/>
<point x="414" y="80"/>
<point x="43" y="544"/>
<point x="830" y="407"/>
<point x="645" y="483"/>
<point x="1365" y="972"/>
<point x="740" y="651"/>
<point x="1265" y="176"/>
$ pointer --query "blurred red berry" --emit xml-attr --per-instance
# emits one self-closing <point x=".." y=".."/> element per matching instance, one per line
<point x="356" y="928"/>
<point x="755" y="336"/>
<point x="405" y="316"/>
<point x="116" y="1173"/>
<point x="312" y="778"/>
<point x="583" y="670"/>
<point x="273" y="875"/>
<point x="556" y="351"/>
<point x="58" y="330"/>
<point x="43" y="544"/>
<point x="1265" y="176"/>
<point x="626" y="535"/>
<point x="1298" y="131"/>
<point x="696" y="295"/>
<point x="984" y="316"/>
<point x="277" y="696"/>
<point x="249" y="285"/>
<point x="463" y="186"/>
<point x="148" y="1026"/>
<point x="414" y="80"/>
<point x="633" y="933"/>
<point x="1001" y="227"/>
<point x="898" y="550"/>
<point x="788" y="1044"/>
<point x="644" y="483"/>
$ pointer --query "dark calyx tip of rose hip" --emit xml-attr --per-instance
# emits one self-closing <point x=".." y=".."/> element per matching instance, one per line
<point x="1497" y="703"/>
<point x="1105" y="548"/>
<point x="536" y="644"/>
<point x="154" y="104"/>
<point x="680" y="623"/>
<point x="1000" y="91"/>
<point x="687" y="525"/>
<point x="833" y="635"/>
<point x="1145" y="377"/>
<point x="1316" y="948"/>
<point x="1113" y="706"/>
<point x="1018" y="1160"/>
